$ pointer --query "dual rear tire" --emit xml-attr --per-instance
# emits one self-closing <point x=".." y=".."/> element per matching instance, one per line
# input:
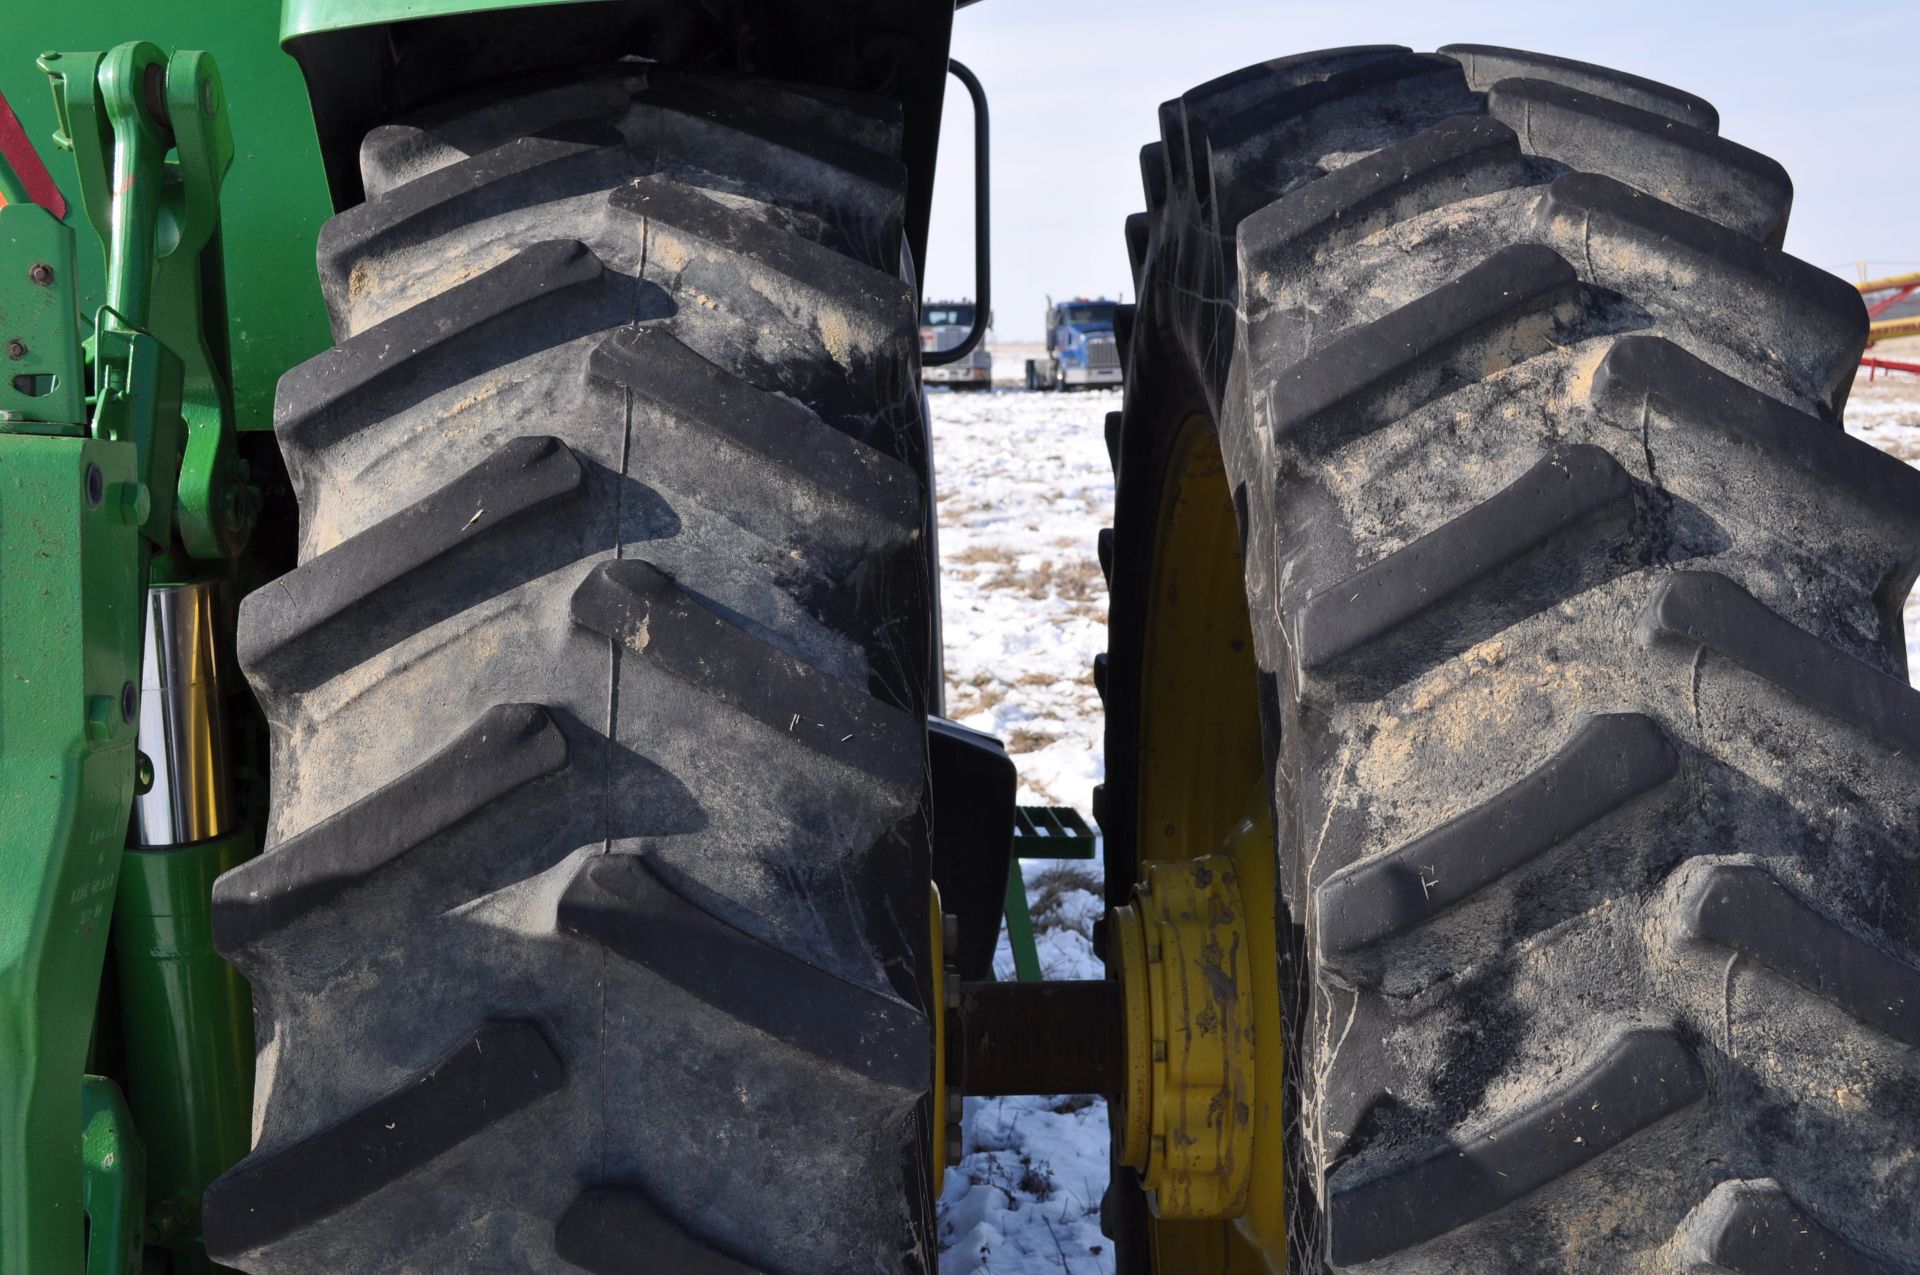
<point x="1576" y="656"/>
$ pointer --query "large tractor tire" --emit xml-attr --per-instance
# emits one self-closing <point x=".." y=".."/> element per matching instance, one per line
<point x="592" y="931"/>
<point x="1570" y="620"/>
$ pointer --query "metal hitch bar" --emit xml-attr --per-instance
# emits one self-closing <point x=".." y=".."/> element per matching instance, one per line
<point x="1040" y="1038"/>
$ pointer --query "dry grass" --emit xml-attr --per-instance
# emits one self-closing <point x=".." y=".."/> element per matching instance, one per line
<point x="1076" y="580"/>
<point x="974" y="556"/>
<point x="1022" y="740"/>
<point x="977" y="694"/>
<point x="1048" y="888"/>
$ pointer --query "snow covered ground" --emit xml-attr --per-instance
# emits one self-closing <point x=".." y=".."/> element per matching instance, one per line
<point x="1024" y="489"/>
<point x="1025" y="1199"/>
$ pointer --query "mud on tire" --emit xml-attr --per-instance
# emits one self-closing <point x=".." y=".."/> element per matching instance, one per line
<point x="593" y="918"/>
<point x="1578" y="618"/>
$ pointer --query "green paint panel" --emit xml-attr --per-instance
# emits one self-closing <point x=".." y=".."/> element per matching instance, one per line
<point x="309" y="17"/>
<point x="275" y="196"/>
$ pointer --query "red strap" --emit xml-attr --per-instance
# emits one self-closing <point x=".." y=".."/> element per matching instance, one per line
<point x="18" y="148"/>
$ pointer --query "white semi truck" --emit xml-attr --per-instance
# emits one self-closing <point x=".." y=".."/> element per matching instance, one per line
<point x="943" y="325"/>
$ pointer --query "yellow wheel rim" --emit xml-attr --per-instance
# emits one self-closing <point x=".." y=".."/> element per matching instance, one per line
<point x="1204" y="791"/>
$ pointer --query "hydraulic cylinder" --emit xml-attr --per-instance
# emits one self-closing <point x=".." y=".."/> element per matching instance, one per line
<point x="185" y="1013"/>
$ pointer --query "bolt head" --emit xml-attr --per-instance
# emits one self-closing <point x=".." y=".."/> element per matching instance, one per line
<point x="134" y="503"/>
<point x="16" y="349"/>
<point x="41" y="273"/>
<point x="100" y="714"/>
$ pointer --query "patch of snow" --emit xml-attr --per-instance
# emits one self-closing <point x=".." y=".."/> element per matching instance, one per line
<point x="1062" y="924"/>
<point x="1026" y="1200"/>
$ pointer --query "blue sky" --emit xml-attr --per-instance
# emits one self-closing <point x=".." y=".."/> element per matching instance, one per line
<point x="1074" y="85"/>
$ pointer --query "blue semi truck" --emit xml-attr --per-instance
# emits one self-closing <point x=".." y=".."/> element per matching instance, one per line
<point x="1081" y="347"/>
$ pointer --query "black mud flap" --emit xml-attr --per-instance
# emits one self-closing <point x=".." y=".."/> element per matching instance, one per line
<point x="973" y="784"/>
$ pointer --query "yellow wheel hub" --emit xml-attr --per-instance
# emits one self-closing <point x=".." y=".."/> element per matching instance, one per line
<point x="1187" y="989"/>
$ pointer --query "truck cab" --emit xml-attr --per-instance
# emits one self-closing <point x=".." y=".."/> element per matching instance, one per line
<point x="1081" y="348"/>
<point x="943" y="325"/>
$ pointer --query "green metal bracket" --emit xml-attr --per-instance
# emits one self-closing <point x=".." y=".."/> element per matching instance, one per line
<point x="115" y="1165"/>
<point x="42" y="373"/>
<point x="138" y="402"/>
<point x="1039" y="832"/>
<point x="71" y="575"/>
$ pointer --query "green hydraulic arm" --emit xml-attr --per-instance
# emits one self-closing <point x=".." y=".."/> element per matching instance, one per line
<point x="111" y="483"/>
